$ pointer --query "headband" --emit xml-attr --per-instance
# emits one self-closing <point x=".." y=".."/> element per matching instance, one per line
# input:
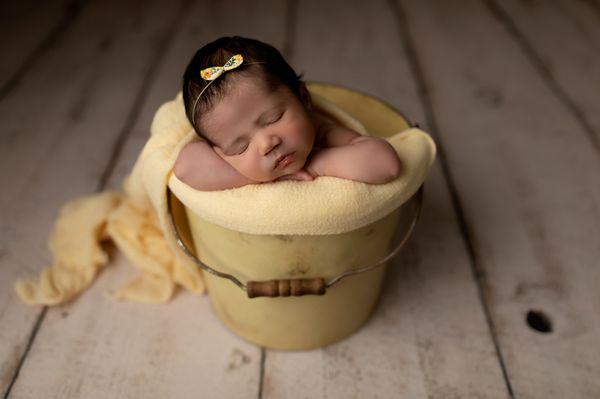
<point x="212" y="73"/>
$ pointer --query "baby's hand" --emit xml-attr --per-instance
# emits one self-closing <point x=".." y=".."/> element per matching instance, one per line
<point x="302" y="174"/>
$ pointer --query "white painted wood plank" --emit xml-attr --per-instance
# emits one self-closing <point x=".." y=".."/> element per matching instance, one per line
<point x="565" y="35"/>
<point x="428" y="337"/>
<point x="98" y="348"/>
<point x="135" y="350"/>
<point x="361" y="50"/>
<point x="527" y="180"/>
<point x="59" y="127"/>
<point x="24" y="26"/>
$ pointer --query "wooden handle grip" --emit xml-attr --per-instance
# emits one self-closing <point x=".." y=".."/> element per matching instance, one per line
<point x="295" y="287"/>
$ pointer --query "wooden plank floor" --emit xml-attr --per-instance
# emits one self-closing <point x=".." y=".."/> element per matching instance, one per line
<point x="496" y="294"/>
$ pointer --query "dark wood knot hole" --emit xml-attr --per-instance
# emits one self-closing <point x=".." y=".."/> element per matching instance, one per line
<point x="539" y="321"/>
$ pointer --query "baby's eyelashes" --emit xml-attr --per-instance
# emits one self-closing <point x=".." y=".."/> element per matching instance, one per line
<point x="241" y="146"/>
<point x="271" y="119"/>
<point x="242" y="149"/>
<point x="279" y="116"/>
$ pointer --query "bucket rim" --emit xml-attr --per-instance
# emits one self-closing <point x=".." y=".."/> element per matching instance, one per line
<point x="363" y="93"/>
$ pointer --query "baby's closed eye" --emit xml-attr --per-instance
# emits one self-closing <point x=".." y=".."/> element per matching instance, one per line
<point x="242" y="145"/>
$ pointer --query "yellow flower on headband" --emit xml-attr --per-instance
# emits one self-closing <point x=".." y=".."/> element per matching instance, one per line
<point x="211" y="73"/>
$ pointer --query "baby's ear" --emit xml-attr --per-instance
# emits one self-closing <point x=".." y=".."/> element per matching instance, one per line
<point x="305" y="96"/>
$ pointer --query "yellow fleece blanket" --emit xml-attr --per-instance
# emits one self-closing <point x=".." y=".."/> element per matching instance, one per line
<point x="137" y="220"/>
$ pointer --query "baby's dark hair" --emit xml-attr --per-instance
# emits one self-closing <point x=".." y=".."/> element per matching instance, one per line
<point x="273" y="70"/>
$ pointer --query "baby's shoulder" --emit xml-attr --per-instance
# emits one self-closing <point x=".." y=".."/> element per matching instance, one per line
<point x="187" y="159"/>
<point x="323" y="124"/>
<point x="330" y="132"/>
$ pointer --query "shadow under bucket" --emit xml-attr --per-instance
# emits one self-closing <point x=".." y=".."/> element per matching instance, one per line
<point x="296" y="292"/>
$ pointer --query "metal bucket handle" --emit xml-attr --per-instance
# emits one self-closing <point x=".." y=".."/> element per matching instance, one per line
<point x="294" y="287"/>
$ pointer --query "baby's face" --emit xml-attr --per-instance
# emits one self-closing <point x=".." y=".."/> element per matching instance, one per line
<point x="252" y="127"/>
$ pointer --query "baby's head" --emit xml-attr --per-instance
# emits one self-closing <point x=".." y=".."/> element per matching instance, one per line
<point x="253" y="114"/>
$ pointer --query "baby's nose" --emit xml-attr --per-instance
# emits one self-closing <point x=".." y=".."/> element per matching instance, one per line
<point x="270" y="142"/>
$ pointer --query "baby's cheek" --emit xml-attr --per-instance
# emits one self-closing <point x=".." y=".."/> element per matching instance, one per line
<point x="253" y="170"/>
<point x="240" y="167"/>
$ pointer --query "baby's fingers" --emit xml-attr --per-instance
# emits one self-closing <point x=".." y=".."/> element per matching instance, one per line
<point x="304" y="175"/>
<point x="300" y="175"/>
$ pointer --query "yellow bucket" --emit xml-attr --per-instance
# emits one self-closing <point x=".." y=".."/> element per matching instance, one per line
<point x="299" y="291"/>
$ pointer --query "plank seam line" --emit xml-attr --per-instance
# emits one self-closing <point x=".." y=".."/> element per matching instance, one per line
<point x="141" y="96"/>
<point x="290" y="28"/>
<point x="477" y="273"/>
<point x="263" y="357"/>
<point x="72" y="11"/>
<point x="538" y="63"/>
<point x="32" y="336"/>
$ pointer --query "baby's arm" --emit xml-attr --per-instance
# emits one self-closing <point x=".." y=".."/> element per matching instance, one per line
<point x="198" y="157"/>
<point x="349" y="155"/>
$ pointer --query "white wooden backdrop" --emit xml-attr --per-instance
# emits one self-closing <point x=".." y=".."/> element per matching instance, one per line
<point x="510" y="90"/>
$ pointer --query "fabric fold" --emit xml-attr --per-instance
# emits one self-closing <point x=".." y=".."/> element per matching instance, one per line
<point x="75" y="243"/>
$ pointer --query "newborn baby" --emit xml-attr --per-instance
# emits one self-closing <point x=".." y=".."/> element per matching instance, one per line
<point x="257" y="124"/>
